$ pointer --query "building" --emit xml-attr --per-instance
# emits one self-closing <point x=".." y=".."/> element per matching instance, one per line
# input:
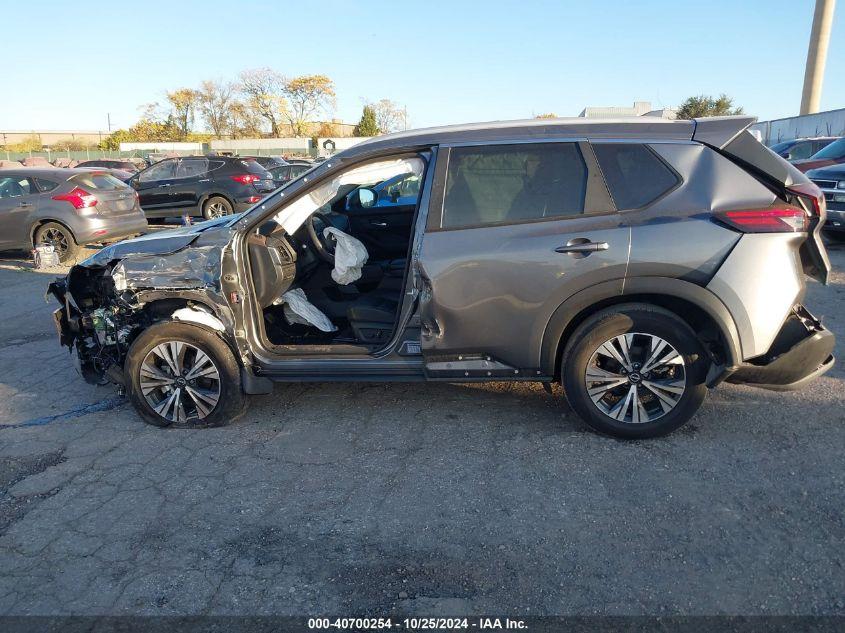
<point x="640" y="108"/>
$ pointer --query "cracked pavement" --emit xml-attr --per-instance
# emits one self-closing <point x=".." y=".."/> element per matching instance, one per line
<point x="426" y="499"/>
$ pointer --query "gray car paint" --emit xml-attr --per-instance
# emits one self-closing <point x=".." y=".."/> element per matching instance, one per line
<point x="18" y="224"/>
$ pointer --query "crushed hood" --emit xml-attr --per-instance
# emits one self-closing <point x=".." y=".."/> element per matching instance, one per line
<point x="158" y="243"/>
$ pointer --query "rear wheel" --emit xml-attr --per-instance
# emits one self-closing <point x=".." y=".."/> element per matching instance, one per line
<point x="216" y="207"/>
<point x="635" y="371"/>
<point x="183" y="375"/>
<point x="60" y="238"/>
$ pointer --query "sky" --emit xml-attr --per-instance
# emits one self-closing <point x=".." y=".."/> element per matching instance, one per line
<point x="69" y="64"/>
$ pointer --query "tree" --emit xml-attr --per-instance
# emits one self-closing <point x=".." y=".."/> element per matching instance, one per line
<point x="246" y="122"/>
<point x="367" y="126"/>
<point x="547" y="115"/>
<point x="264" y="90"/>
<point x="183" y="102"/>
<point x="308" y="96"/>
<point x="704" y="105"/>
<point x="215" y="100"/>
<point x="390" y="116"/>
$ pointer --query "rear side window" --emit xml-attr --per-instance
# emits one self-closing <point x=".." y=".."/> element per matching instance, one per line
<point x="513" y="183"/>
<point x="634" y="175"/>
<point x="46" y="185"/>
<point x="191" y="167"/>
<point x="103" y="182"/>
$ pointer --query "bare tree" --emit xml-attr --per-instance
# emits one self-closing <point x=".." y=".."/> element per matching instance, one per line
<point x="265" y="91"/>
<point x="390" y="116"/>
<point x="214" y="101"/>
<point x="308" y="96"/>
<point x="245" y="121"/>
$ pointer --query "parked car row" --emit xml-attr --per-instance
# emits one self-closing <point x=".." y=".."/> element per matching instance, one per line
<point x="110" y="199"/>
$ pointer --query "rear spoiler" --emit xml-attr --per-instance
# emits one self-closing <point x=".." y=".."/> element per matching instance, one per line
<point x="718" y="131"/>
<point x="728" y="135"/>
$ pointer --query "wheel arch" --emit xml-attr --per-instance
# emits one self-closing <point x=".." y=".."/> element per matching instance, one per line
<point x="215" y="194"/>
<point x="41" y="222"/>
<point x="699" y="308"/>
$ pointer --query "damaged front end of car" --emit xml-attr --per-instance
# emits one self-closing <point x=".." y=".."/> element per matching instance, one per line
<point x="109" y="299"/>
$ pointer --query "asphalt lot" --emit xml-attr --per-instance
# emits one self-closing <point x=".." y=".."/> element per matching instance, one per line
<point x="411" y="498"/>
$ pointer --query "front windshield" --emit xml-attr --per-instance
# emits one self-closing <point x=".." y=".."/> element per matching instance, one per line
<point x="834" y="151"/>
<point x="783" y="146"/>
<point x="292" y="216"/>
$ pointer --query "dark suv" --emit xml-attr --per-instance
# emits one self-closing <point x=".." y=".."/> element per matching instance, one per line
<point x="637" y="262"/>
<point x="210" y="187"/>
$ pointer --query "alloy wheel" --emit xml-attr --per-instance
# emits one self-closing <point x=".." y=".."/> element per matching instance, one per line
<point x="635" y="377"/>
<point x="57" y="239"/>
<point x="180" y="382"/>
<point x="216" y="210"/>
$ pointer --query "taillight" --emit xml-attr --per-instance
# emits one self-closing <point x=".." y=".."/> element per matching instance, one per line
<point x="785" y="220"/>
<point x="78" y="197"/>
<point x="253" y="199"/>
<point x="810" y="192"/>
<point x="246" y="179"/>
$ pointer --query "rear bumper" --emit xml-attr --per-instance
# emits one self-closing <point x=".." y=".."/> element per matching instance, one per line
<point x="802" y="351"/>
<point x="102" y="229"/>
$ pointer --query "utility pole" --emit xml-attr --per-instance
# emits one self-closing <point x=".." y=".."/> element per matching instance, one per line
<point x="817" y="56"/>
<point x="108" y="118"/>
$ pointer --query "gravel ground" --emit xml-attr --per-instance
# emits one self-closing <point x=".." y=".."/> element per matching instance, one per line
<point x="425" y="499"/>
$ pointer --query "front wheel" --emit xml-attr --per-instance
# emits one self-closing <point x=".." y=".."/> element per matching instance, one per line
<point x="182" y="375"/>
<point x="634" y="371"/>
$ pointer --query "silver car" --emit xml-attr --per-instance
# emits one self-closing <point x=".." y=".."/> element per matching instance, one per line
<point x="638" y="262"/>
<point x="65" y="208"/>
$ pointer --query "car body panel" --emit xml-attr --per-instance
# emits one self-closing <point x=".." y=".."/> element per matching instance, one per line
<point x="760" y="303"/>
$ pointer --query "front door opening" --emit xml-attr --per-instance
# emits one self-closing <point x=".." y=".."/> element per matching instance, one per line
<point x="343" y="250"/>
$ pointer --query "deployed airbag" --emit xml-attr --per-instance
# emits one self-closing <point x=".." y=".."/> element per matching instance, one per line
<point x="298" y="309"/>
<point x="350" y="255"/>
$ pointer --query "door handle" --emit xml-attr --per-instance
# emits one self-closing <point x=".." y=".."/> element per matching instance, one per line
<point x="167" y="184"/>
<point x="24" y="205"/>
<point x="379" y="224"/>
<point x="204" y="180"/>
<point x="578" y="246"/>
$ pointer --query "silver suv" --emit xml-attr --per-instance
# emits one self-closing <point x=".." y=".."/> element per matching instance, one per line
<point x="638" y="262"/>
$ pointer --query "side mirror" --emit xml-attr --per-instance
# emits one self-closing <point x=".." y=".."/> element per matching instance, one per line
<point x="133" y="182"/>
<point x="361" y="198"/>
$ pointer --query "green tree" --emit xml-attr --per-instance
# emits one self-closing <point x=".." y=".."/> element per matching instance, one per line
<point x="547" y="115"/>
<point x="367" y="126"/>
<point x="705" y="105"/>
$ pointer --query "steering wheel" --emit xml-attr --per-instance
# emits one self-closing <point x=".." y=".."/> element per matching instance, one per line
<point x="315" y="224"/>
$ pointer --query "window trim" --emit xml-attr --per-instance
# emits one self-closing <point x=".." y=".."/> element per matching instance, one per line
<point x="438" y="189"/>
<point x="679" y="180"/>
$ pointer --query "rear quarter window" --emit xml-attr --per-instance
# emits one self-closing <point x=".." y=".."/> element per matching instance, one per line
<point x="635" y="176"/>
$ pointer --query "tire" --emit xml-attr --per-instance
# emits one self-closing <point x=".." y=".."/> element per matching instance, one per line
<point x="647" y="404"/>
<point x="215" y="207"/>
<point x="60" y="237"/>
<point x="197" y="410"/>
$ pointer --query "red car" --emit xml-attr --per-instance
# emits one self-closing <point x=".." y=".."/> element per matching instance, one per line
<point x="833" y="154"/>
